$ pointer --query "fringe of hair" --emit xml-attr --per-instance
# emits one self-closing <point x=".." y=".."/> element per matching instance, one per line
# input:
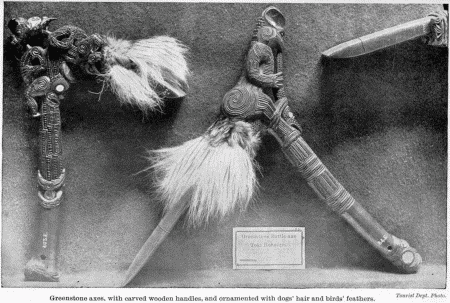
<point x="143" y="72"/>
<point x="217" y="171"/>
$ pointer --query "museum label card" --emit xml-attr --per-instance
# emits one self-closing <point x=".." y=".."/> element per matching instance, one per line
<point x="269" y="248"/>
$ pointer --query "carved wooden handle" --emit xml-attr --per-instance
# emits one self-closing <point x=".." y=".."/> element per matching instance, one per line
<point x="43" y="265"/>
<point x="329" y="190"/>
<point x="159" y="234"/>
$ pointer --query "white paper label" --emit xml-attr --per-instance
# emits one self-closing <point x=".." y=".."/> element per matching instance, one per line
<point x="269" y="248"/>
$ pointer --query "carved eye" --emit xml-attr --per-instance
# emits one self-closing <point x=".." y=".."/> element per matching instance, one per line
<point x="59" y="88"/>
<point x="60" y="85"/>
<point x="282" y="34"/>
<point x="82" y="48"/>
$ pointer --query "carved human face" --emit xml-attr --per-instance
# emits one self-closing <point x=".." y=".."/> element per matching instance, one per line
<point x="33" y="63"/>
<point x="91" y="53"/>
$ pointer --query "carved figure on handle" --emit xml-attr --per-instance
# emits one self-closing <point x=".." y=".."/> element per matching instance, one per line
<point x="210" y="176"/>
<point x="141" y="73"/>
<point x="277" y="116"/>
<point x="46" y="74"/>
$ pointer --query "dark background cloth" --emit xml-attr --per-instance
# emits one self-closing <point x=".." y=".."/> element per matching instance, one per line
<point x="379" y="123"/>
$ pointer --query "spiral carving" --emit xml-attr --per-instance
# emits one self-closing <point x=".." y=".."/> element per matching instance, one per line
<point x="43" y="65"/>
<point x="238" y="102"/>
<point x="263" y="70"/>
<point x="33" y="63"/>
<point x="40" y="86"/>
<point x="267" y="33"/>
<point x="249" y="99"/>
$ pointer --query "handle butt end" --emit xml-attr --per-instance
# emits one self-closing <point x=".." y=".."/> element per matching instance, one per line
<point x="409" y="261"/>
<point x="37" y="271"/>
<point x="405" y="257"/>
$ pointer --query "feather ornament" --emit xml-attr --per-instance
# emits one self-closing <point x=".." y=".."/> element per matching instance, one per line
<point x="217" y="171"/>
<point x="146" y="71"/>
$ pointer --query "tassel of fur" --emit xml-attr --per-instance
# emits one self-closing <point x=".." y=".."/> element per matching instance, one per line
<point x="216" y="170"/>
<point x="143" y="72"/>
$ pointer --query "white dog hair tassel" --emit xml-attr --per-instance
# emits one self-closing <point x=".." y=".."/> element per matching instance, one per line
<point x="140" y="73"/>
<point x="216" y="171"/>
<point x="208" y="177"/>
<point x="143" y="72"/>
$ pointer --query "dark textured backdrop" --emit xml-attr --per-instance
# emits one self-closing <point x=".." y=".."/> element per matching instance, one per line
<point x="378" y="122"/>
